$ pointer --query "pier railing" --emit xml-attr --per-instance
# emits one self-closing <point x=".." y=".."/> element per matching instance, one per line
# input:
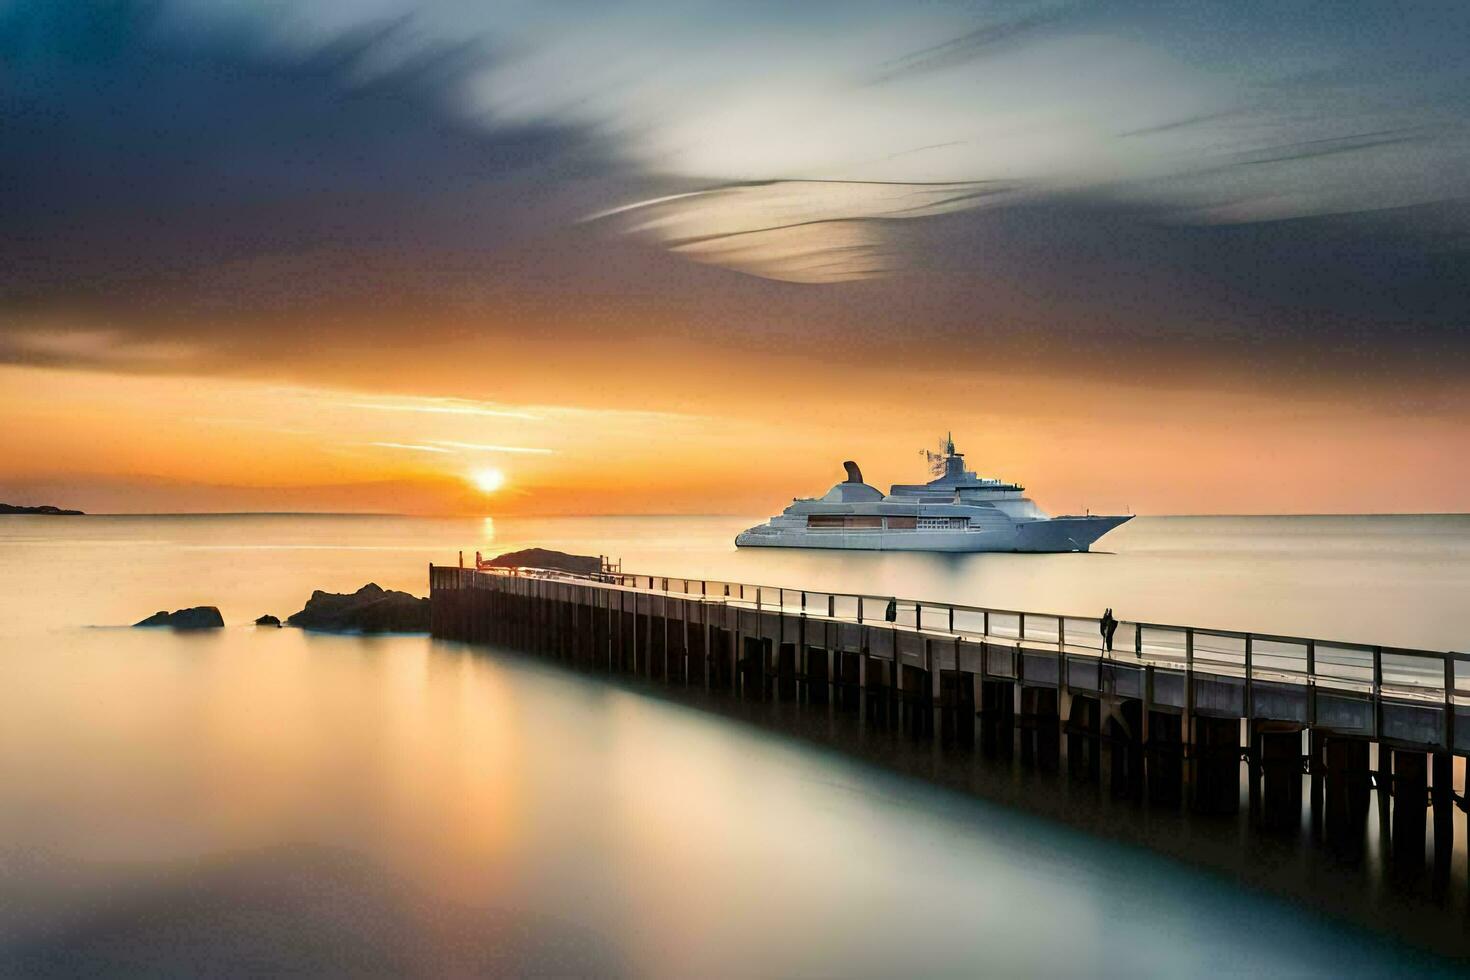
<point x="1350" y="669"/>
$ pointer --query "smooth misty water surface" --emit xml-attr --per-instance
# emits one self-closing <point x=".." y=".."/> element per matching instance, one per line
<point x="261" y="800"/>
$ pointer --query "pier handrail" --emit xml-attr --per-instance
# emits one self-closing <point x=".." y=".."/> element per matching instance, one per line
<point x="1349" y="666"/>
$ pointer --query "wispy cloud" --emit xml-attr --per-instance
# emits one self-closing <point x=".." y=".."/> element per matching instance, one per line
<point x="259" y="424"/>
<point x="806" y="231"/>
<point x="974" y="44"/>
<point x="98" y="347"/>
<point x="452" y="446"/>
<point x="411" y="446"/>
<point x="484" y="447"/>
<point x="441" y="406"/>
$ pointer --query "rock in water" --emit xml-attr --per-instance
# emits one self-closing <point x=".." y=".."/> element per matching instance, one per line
<point x="545" y="558"/>
<point x="371" y="609"/>
<point x="268" y="620"/>
<point x="194" y="618"/>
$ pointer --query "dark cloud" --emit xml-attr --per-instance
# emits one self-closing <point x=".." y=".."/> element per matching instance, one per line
<point x="1324" y="147"/>
<point x="1358" y="288"/>
<point x="1177" y="124"/>
<point x="190" y="201"/>
<point x="1094" y="285"/>
<point x="997" y="35"/>
<point x="142" y="163"/>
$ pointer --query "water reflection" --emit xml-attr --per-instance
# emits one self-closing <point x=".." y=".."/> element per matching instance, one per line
<point x="282" y="801"/>
<point x="267" y="800"/>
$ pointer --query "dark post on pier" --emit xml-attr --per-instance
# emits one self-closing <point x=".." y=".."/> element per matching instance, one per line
<point x="1176" y="707"/>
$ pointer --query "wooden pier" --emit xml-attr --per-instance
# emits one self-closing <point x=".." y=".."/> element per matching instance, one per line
<point x="1176" y="708"/>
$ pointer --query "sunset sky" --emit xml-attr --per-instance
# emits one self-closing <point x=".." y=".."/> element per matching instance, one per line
<point x="659" y="257"/>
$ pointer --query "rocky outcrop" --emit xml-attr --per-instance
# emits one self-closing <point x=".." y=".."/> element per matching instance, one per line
<point x="544" y="558"/>
<point x="194" y="618"/>
<point x="268" y="620"/>
<point x="43" y="509"/>
<point x="371" y="609"/>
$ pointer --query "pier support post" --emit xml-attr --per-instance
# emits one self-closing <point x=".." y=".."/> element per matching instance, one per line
<point x="722" y="675"/>
<point x="876" y="690"/>
<point x="753" y="668"/>
<point x="657" y="656"/>
<point x="697" y="657"/>
<point x="1443" y="795"/>
<point x="997" y="718"/>
<point x="818" y="673"/>
<point x="957" y="708"/>
<point x="1084" y="728"/>
<point x="1217" y="764"/>
<point x="786" y="672"/>
<point x="1164" y="753"/>
<point x="1410" y="807"/>
<point x="848" y="680"/>
<point x="642" y="639"/>
<point x="1041" y="736"/>
<point x="679" y="646"/>
<point x="1278" y="764"/>
<point x="916" y="700"/>
<point x="1125" y="735"/>
<point x="1317" y="769"/>
<point x="1348" y="792"/>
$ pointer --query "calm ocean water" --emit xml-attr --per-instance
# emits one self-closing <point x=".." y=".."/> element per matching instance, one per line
<point x="254" y="801"/>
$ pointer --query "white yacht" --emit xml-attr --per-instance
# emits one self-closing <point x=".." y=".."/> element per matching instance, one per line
<point x="956" y="511"/>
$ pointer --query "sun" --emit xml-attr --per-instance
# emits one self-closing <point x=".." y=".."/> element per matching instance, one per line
<point x="488" y="480"/>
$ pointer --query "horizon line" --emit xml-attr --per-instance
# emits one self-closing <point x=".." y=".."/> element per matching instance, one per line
<point x="664" y="514"/>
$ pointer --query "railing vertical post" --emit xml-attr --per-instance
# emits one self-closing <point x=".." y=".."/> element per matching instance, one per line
<point x="860" y="608"/>
<point x="1449" y="702"/>
<point x="1377" y="692"/>
<point x="1311" y="682"/>
<point x="1188" y="687"/>
<point x="1249" y="700"/>
<point x="709" y="658"/>
<point x="1022" y="627"/>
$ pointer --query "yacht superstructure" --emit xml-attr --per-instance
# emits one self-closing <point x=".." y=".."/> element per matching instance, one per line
<point x="956" y="511"/>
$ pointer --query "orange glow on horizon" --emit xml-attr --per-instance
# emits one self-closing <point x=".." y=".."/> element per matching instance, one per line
<point x="113" y="443"/>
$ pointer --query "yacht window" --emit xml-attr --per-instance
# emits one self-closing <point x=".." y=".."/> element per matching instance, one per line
<point x="902" y="523"/>
<point x="943" y="523"/>
<point x="842" y="521"/>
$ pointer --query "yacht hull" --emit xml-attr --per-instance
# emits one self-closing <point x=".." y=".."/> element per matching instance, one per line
<point x="1055" y="535"/>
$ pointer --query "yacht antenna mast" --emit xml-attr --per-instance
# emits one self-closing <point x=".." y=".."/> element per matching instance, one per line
<point x="938" y="462"/>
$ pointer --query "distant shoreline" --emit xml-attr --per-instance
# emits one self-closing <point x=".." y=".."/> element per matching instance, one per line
<point x="44" y="509"/>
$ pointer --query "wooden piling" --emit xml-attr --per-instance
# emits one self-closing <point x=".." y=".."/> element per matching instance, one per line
<point x="1166" y="727"/>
